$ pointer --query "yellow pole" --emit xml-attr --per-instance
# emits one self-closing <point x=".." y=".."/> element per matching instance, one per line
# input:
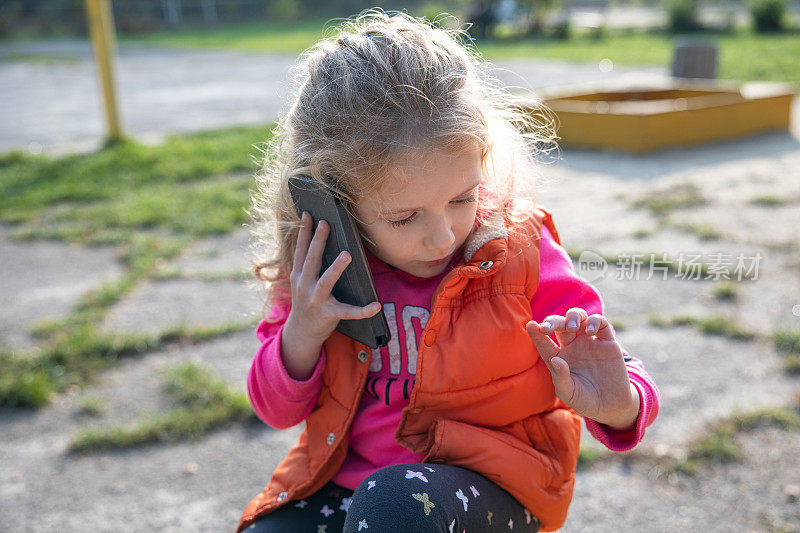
<point x="101" y="29"/>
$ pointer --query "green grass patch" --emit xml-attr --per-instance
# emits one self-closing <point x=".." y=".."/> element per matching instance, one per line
<point x="787" y="340"/>
<point x="78" y="353"/>
<point x="719" y="444"/>
<point x="779" y="417"/>
<point x="715" y="325"/>
<point x="725" y="291"/>
<point x="658" y="321"/>
<point x="23" y="382"/>
<point x="139" y="257"/>
<point x="279" y="37"/>
<point x="30" y="379"/>
<point x="589" y="456"/>
<point x="769" y="200"/>
<point x="743" y="54"/>
<point x="195" y="185"/>
<point x="704" y="232"/>
<point x="662" y="202"/>
<point x="790" y="363"/>
<point x="211" y="277"/>
<point x="199" y="209"/>
<point x="619" y="325"/>
<point x="233" y="275"/>
<point x="148" y="201"/>
<point x="43" y="59"/>
<point x="202" y="400"/>
<point x="198" y="334"/>
<point x="92" y="405"/>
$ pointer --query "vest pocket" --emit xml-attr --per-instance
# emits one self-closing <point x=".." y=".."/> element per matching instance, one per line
<point x="557" y="434"/>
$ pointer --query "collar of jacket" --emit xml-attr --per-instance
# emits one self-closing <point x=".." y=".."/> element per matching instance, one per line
<point x="484" y="253"/>
<point x="492" y="227"/>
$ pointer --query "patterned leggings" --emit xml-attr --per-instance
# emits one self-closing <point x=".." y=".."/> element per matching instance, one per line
<point x="407" y="498"/>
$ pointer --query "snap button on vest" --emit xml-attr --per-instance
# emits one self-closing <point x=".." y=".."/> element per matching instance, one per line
<point x="430" y="337"/>
<point x="282" y="496"/>
<point x="331" y="438"/>
<point x="362" y="356"/>
<point x="486" y="265"/>
<point x="416" y="411"/>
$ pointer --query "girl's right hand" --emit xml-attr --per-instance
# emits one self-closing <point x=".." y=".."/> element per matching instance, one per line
<point x="315" y="312"/>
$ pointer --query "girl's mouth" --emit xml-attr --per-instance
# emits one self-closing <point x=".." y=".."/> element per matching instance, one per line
<point x="438" y="262"/>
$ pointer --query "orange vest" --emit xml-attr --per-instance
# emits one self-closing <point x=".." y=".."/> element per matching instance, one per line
<point x="483" y="398"/>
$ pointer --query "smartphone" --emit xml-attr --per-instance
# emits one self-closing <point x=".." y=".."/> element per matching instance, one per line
<point x="355" y="286"/>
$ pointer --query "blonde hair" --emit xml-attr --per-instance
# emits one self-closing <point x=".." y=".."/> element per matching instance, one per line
<point x="383" y="85"/>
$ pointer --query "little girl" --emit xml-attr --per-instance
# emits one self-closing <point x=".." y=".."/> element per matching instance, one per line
<point x="470" y="418"/>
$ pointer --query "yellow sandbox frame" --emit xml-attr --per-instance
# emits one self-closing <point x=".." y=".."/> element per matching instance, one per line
<point x="651" y="117"/>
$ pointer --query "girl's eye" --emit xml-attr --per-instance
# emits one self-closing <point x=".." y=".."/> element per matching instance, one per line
<point x="468" y="200"/>
<point x="458" y="201"/>
<point x="403" y="222"/>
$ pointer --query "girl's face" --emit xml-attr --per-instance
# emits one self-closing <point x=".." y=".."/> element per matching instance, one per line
<point x="422" y="216"/>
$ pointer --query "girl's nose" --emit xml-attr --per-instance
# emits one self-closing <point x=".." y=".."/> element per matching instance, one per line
<point x="441" y="236"/>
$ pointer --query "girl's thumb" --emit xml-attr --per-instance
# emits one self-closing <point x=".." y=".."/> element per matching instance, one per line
<point x="559" y="370"/>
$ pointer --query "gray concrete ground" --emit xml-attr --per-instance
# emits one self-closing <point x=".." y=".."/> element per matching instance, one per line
<point x="203" y="485"/>
<point x="51" y="101"/>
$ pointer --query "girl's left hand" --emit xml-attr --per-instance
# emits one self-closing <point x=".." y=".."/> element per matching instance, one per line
<point x="588" y="368"/>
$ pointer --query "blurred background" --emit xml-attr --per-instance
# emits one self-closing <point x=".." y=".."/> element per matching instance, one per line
<point x="127" y="308"/>
<point x="526" y="17"/>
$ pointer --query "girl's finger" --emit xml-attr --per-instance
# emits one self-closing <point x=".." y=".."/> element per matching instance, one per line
<point x="576" y="318"/>
<point x="558" y="367"/>
<point x="332" y="275"/>
<point x="354" y="312"/>
<point x="604" y="330"/>
<point x="593" y="324"/>
<point x="553" y="323"/>
<point x="557" y="325"/>
<point x="301" y="246"/>
<point x="313" y="262"/>
<point x="544" y="345"/>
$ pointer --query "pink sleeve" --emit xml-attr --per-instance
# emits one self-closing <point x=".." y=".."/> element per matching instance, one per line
<point x="649" y="401"/>
<point x="560" y="289"/>
<point x="277" y="399"/>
